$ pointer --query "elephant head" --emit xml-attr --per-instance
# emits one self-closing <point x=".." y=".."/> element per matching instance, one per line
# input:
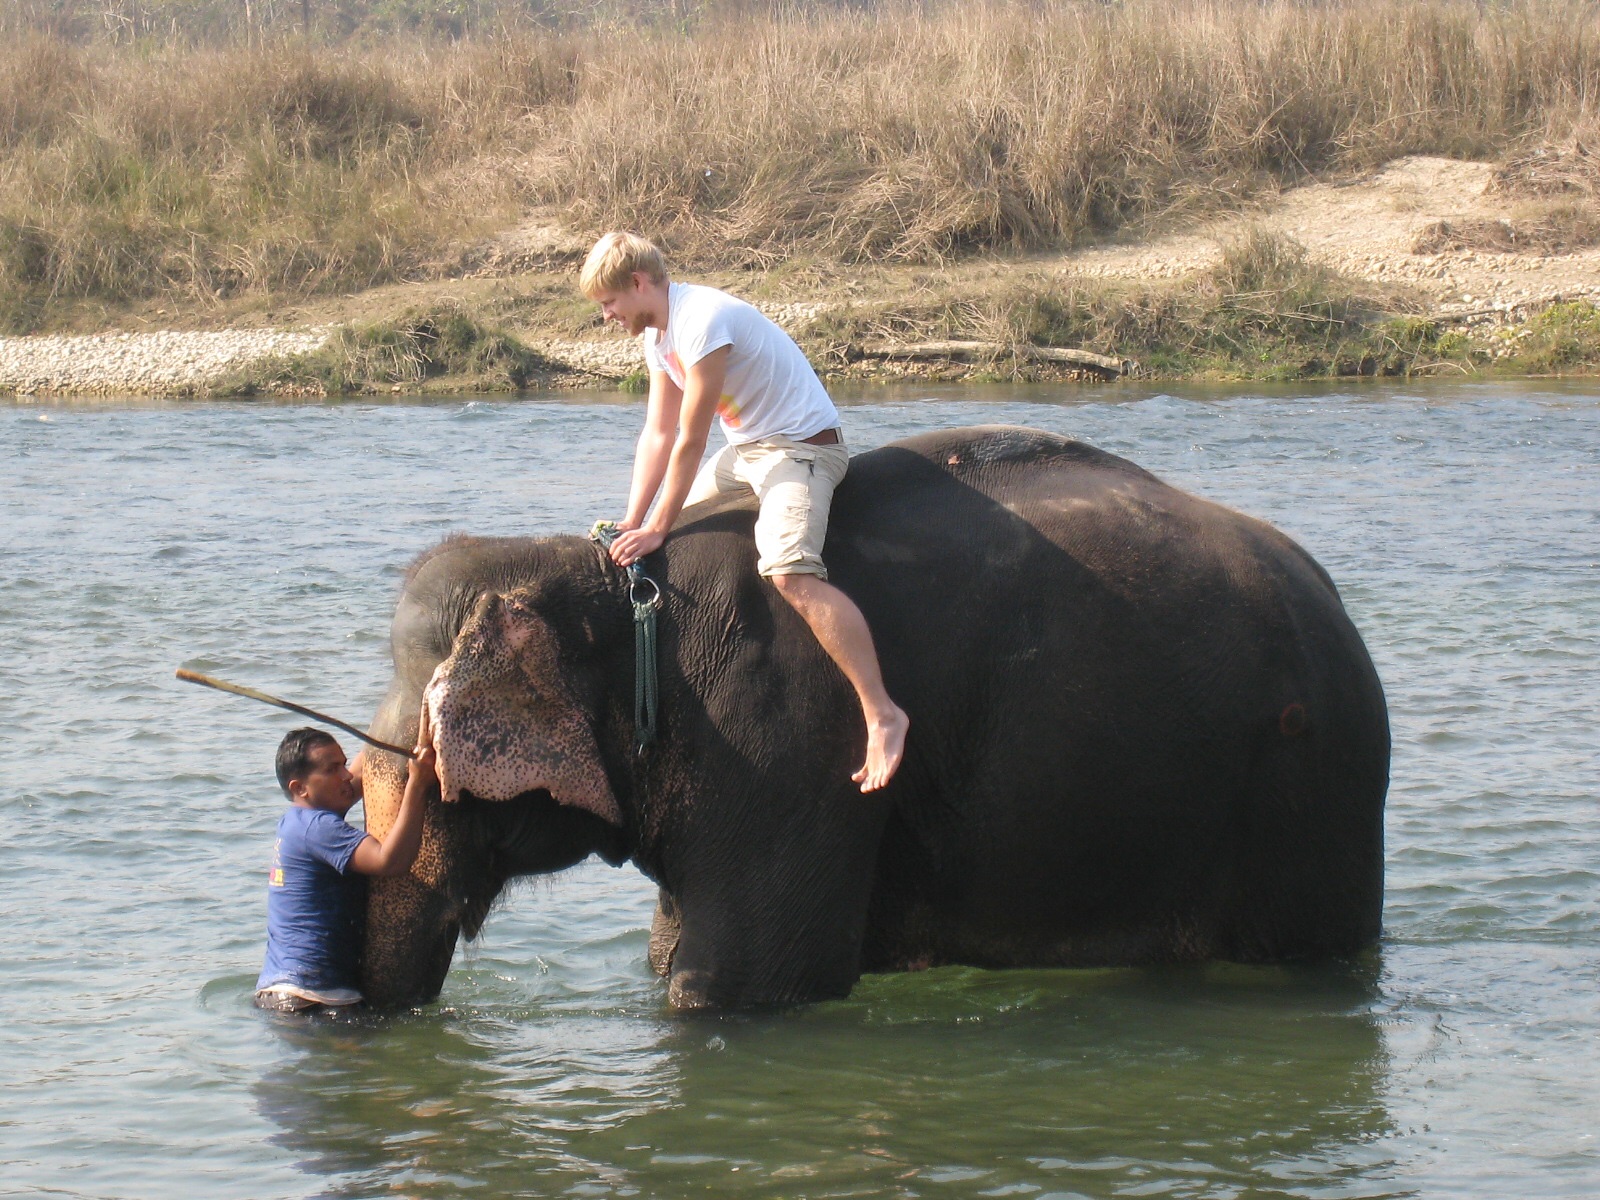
<point x="514" y="705"/>
<point x="523" y="651"/>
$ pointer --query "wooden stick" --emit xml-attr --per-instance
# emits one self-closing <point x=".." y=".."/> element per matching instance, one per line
<point x="251" y="694"/>
<point x="1103" y="363"/>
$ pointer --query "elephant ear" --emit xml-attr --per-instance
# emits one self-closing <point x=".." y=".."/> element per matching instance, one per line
<point x="505" y="718"/>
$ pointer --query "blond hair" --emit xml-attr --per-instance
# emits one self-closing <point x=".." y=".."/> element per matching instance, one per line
<point x="615" y="258"/>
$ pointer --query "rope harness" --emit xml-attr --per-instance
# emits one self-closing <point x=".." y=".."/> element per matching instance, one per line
<point x="645" y="596"/>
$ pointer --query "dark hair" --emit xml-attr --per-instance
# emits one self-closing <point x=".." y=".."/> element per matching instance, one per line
<point x="294" y="753"/>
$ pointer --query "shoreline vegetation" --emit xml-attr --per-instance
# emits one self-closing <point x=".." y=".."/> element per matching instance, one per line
<point x="910" y="188"/>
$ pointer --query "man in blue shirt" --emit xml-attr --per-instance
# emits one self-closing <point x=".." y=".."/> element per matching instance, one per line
<point x="316" y="891"/>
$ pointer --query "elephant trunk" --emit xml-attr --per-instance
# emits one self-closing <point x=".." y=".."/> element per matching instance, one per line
<point x="411" y="938"/>
<point x="413" y="920"/>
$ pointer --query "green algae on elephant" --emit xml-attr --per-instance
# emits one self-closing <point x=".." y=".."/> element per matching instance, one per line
<point x="1144" y="730"/>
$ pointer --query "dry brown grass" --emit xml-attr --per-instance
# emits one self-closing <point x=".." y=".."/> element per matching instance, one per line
<point x="897" y="133"/>
<point x="893" y="135"/>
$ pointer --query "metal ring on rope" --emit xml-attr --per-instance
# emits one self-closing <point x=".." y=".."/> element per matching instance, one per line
<point x="655" y="591"/>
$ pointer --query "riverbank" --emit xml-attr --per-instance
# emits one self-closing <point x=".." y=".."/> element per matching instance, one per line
<point x="1425" y="265"/>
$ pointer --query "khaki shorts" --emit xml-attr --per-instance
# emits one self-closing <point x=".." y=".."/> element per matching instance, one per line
<point x="794" y="482"/>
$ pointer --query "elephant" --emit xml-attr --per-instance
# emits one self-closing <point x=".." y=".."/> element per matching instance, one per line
<point x="1143" y="731"/>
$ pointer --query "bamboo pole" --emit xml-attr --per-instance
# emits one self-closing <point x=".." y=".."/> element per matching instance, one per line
<point x="250" y="693"/>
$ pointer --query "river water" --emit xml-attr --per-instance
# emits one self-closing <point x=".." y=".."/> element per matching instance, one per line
<point x="266" y="543"/>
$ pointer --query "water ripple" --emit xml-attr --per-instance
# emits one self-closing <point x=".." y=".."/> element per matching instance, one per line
<point x="265" y="543"/>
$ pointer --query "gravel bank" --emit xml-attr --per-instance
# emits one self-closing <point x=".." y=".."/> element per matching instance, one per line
<point x="163" y="364"/>
<point x="613" y="356"/>
<point x="183" y="364"/>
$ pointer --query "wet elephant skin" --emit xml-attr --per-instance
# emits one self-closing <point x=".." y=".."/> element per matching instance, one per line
<point x="1143" y="731"/>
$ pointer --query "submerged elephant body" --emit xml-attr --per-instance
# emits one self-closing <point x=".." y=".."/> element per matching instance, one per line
<point x="1142" y="730"/>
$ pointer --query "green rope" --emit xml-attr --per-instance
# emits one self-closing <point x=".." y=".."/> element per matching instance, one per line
<point x="645" y="596"/>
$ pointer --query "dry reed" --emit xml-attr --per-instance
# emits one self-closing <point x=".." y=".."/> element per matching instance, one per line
<point x="891" y="133"/>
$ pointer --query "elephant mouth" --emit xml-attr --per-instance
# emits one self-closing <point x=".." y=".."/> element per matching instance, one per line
<point x="533" y="795"/>
<point x="534" y="833"/>
<point x="506" y="825"/>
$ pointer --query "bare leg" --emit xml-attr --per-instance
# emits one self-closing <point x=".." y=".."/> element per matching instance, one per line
<point x="843" y="633"/>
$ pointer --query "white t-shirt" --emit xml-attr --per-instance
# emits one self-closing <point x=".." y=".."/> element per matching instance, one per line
<point x="770" y="390"/>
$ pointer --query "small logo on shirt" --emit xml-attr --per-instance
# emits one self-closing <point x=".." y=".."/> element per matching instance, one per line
<point x="275" y="877"/>
<point x="729" y="410"/>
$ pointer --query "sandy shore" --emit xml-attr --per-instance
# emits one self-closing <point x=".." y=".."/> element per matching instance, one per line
<point x="1368" y="229"/>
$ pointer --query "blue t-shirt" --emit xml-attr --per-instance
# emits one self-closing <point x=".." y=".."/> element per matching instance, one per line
<point x="314" y="909"/>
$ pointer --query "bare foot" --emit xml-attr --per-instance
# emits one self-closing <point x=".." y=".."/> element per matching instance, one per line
<point x="886" y="746"/>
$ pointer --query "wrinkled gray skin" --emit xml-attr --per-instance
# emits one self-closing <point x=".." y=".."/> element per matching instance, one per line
<point x="1143" y="730"/>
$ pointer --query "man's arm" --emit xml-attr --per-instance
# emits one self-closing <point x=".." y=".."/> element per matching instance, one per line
<point x="393" y="855"/>
<point x="702" y="390"/>
<point x="655" y="447"/>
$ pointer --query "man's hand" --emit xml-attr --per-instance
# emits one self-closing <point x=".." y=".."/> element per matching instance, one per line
<point x="357" y="768"/>
<point x="634" y="544"/>
<point x="424" y="756"/>
<point x="398" y="849"/>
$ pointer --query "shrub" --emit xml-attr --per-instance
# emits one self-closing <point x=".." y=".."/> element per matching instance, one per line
<point x="1561" y="337"/>
<point x="427" y="344"/>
